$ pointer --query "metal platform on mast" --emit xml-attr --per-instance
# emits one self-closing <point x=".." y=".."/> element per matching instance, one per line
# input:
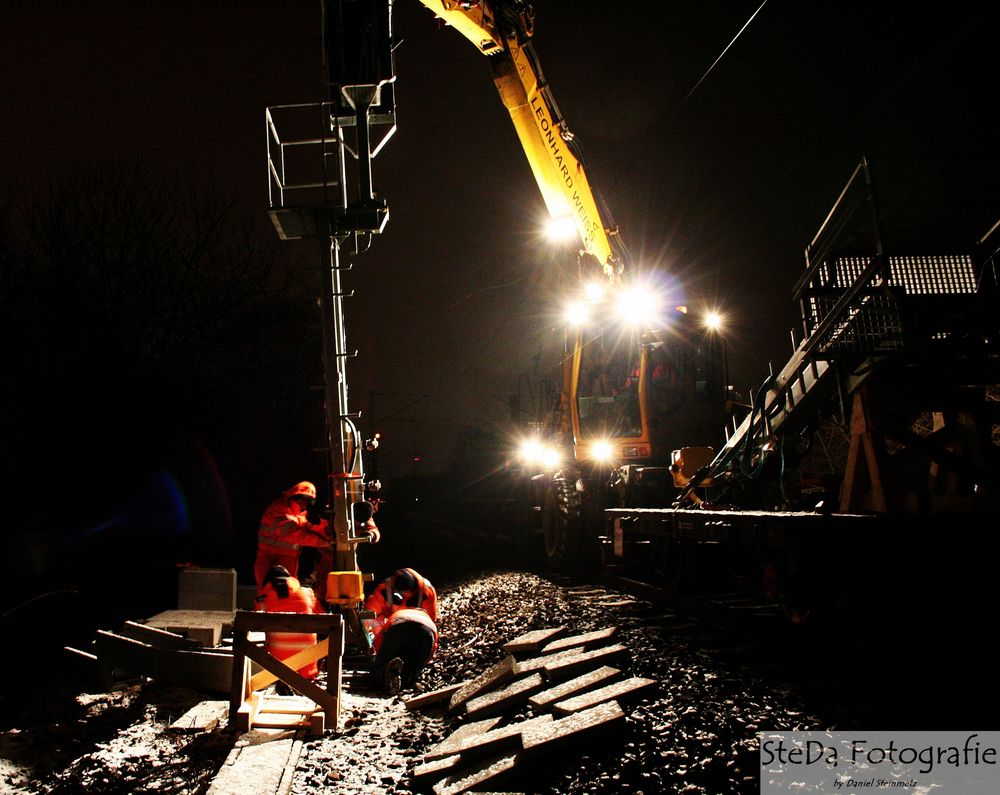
<point x="319" y="170"/>
<point x="314" y="194"/>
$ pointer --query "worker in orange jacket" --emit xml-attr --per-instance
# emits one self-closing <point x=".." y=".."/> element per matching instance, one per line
<point x="282" y="593"/>
<point x="404" y="630"/>
<point x="405" y="588"/>
<point x="285" y="528"/>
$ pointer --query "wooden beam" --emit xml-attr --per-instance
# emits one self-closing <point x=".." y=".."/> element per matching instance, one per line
<point x="201" y="670"/>
<point x="315" y="652"/>
<point x="155" y="636"/>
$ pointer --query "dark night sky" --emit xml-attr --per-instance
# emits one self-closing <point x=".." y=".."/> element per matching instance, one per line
<point x="722" y="186"/>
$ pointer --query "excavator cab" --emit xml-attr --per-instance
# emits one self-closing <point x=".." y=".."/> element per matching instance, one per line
<point x="635" y="394"/>
<point x="607" y="405"/>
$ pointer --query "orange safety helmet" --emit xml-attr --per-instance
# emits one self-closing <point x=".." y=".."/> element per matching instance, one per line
<point x="303" y="489"/>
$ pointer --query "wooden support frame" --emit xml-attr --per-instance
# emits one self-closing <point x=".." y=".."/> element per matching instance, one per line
<point x="245" y="705"/>
<point x="865" y="457"/>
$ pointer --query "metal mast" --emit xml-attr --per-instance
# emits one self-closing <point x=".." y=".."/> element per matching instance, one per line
<point x="314" y="194"/>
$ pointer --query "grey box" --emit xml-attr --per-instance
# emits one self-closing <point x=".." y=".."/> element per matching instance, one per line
<point x="207" y="589"/>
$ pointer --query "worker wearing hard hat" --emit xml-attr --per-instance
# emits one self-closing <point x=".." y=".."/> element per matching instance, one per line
<point x="404" y="630"/>
<point x="405" y="588"/>
<point x="285" y="528"/>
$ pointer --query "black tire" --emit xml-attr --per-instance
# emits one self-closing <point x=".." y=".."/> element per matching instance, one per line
<point x="562" y="525"/>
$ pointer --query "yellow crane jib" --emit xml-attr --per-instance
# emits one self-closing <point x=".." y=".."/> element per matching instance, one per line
<point x="544" y="136"/>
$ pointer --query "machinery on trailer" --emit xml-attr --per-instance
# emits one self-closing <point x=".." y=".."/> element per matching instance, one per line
<point x="879" y="435"/>
<point x="639" y="373"/>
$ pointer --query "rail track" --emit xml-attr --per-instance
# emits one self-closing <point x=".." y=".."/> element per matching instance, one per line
<point x="733" y="607"/>
<point x="914" y="656"/>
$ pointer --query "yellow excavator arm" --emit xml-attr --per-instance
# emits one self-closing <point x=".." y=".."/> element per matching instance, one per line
<point x="502" y="31"/>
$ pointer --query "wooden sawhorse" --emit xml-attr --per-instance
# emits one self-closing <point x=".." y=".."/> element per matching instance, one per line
<point x="248" y="709"/>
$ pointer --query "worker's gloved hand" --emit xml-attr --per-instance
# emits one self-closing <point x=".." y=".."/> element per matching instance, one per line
<point x="374" y="536"/>
<point x="314" y="515"/>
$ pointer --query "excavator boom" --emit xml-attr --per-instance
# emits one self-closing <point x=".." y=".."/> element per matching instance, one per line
<point x="503" y="32"/>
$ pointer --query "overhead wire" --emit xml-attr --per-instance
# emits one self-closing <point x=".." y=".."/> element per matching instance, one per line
<point x="639" y="155"/>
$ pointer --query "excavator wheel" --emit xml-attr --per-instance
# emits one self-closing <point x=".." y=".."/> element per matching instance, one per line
<point x="562" y="522"/>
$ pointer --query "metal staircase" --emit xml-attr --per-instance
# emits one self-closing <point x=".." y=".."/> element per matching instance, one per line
<point x="859" y="309"/>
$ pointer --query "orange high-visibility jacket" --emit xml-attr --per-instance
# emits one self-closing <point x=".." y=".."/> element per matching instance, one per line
<point x="283" y="645"/>
<point x="286" y="526"/>
<point x="423" y="596"/>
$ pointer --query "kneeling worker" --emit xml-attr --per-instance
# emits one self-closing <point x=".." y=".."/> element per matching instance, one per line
<point x="404" y="630"/>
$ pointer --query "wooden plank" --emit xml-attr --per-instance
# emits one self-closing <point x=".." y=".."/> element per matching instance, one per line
<point x="495" y="676"/>
<point x="599" y="637"/>
<point x="584" y="661"/>
<point x="500" y="739"/>
<point x="155" y="636"/>
<point x="467" y="780"/>
<point x="532" y="642"/>
<point x="451" y="743"/>
<point x="202" y="717"/>
<point x="437" y="768"/>
<point x="572" y="687"/>
<point x="617" y="691"/>
<point x="598" y="720"/>
<point x="252" y="620"/>
<point x="538" y="663"/>
<point x="246" y="713"/>
<point x="239" y="689"/>
<point x="280" y="720"/>
<point x="290" y="704"/>
<point x="432" y="697"/>
<point x="517" y="692"/>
